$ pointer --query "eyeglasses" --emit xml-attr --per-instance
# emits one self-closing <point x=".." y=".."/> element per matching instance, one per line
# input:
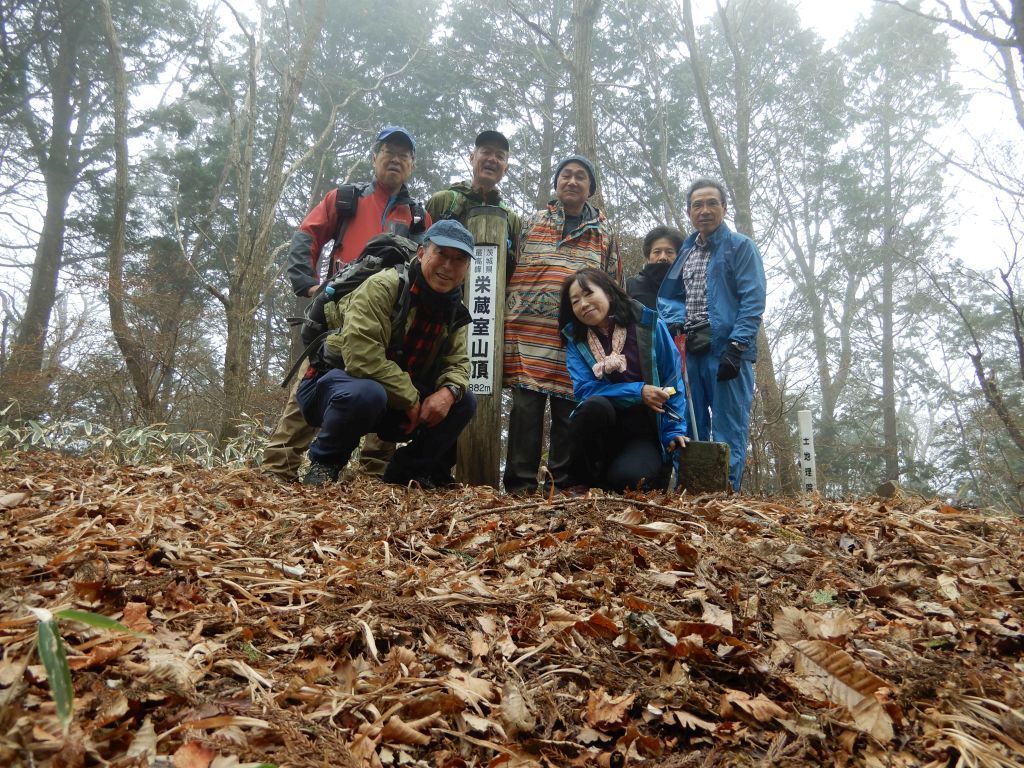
<point x="699" y="205"/>
<point x="401" y="154"/>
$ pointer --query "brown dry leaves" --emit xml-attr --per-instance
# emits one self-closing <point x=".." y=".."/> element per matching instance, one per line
<point x="373" y="626"/>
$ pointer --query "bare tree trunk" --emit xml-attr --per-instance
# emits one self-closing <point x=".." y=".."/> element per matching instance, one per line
<point x="547" y="147"/>
<point x="58" y="157"/>
<point x="126" y="341"/>
<point x="890" y="433"/>
<point x="584" y="15"/>
<point x="253" y="255"/>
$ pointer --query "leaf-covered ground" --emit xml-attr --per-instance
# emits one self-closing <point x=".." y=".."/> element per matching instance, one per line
<point x="369" y="625"/>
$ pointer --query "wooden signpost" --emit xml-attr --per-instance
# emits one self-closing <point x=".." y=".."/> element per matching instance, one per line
<point x="479" y="452"/>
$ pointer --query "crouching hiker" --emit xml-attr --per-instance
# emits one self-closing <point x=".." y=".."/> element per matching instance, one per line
<point x="403" y="377"/>
<point x="625" y="372"/>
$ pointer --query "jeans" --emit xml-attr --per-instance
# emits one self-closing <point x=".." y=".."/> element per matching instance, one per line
<point x="722" y="408"/>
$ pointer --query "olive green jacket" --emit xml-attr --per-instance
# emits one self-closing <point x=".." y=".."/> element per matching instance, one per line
<point x="362" y="320"/>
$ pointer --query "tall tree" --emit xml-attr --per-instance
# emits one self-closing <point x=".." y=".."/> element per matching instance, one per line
<point x="901" y="65"/>
<point x="814" y="198"/>
<point x="997" y="24"/>
<point x="584" y="16"/>
<point x="56" y="101"/>
<point x="129" y="345"/>
<point x="258" y="192"/>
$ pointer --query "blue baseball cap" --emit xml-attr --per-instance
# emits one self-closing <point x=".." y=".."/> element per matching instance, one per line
<point x="450" y="234"/>
<point x="395" y="130"/>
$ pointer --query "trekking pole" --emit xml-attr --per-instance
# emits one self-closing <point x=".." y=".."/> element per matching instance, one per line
<point x="680" y="341"/>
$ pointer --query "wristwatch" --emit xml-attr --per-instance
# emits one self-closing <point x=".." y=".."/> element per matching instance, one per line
<point x="456" y="390"/>
<point x="739" y="347"/>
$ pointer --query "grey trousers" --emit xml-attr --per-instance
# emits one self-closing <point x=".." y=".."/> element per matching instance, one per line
<point x="526" y="440"/>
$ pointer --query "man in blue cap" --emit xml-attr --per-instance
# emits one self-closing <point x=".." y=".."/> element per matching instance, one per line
<point x="349" y="216"/>
<point x="418" y="393"/>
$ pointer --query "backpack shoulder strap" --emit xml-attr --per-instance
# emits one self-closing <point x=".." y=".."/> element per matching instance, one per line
<point x="345" y="204"/>
<point x="400" y="312"/>
<point x="456" y="205"/>
<point x="419" y="218"/>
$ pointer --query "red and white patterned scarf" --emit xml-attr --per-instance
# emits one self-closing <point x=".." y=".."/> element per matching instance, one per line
<point x="611" y="362"/>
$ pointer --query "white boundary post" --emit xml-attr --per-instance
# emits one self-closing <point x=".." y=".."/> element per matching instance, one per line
<point x="808" y="473"/>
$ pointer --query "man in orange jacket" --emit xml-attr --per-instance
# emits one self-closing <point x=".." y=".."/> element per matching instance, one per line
<point x="350" y="216"/>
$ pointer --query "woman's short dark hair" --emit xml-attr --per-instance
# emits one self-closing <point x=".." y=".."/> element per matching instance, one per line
<point x="671" y="234"/>
<point x="620" y="307"/>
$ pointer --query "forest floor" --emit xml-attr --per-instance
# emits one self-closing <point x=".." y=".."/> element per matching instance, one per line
<point x="369" y="625"/>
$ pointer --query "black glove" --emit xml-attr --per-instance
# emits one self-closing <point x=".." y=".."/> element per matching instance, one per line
<point x="330" y="353"/>
<point x="729" y="365"/>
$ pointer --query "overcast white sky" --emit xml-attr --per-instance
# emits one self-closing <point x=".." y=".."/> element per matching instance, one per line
<point x="975" y="217"/>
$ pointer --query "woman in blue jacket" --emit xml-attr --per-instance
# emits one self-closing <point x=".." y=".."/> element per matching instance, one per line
<point x="625" y="372"/>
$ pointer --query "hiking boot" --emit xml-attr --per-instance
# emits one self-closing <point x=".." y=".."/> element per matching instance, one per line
<point x="398" y="478"/>
<point x="321" y="474"/>
<point x="445" y="480"/>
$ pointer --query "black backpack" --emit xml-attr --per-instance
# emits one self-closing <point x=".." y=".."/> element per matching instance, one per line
<point x="386" y="251"/>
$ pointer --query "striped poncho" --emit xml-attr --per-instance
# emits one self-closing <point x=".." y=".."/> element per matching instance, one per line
<point x="534" y="355"/>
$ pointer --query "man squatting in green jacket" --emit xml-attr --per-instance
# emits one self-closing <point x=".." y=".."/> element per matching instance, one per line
<point x="489" y="162"/>
<point x="383" y="205"/>
<point x="416" y="393"/>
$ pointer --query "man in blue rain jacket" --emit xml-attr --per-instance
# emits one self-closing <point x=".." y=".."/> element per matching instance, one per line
<point x="715" y="295"/>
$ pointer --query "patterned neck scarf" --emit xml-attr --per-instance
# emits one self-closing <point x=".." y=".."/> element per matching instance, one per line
<point x="433" y="311"/>
<point x="611" y="362"/>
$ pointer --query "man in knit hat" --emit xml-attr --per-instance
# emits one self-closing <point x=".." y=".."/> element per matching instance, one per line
<point x="566" y="236"/>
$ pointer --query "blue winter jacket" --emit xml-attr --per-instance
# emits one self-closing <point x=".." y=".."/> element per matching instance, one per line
<point x="659" y="364"/>
<point x="736" y="290"/>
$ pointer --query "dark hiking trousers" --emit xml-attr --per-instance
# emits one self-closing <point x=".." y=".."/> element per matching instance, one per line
<point x="346" y="408"/>
<point x="615" y="449"/>
<point x="526" y="440"/>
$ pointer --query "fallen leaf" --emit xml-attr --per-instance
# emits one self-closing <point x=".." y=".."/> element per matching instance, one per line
<point x="515" y="712"/>
<point x="717" y="616"/>
<point x="470" y="689"/>
<point x="850" y="685"/>
<point x="143" y="746"/>
<point x="760" y="707"/>
<point x="604" y="711"/>
<point x="399" y="732"/>
<point x="9" y="500"/>
<point x="690" y="721"/>
<point x="192" y="754"/>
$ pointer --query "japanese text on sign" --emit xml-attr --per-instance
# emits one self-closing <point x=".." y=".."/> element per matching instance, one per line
<point x="481" y="301"/>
